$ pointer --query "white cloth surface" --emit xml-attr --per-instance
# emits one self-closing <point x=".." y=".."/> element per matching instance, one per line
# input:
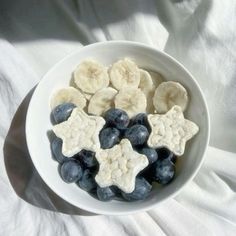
<point x="34" y="35"/>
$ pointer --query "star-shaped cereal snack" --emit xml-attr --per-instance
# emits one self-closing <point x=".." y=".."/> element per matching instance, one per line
<point x="119" y="166"/>
<point x="171" y="130"/>
<point x="80" y="131"/>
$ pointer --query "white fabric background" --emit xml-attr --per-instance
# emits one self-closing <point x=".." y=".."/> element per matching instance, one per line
<point x="201" y="34"/>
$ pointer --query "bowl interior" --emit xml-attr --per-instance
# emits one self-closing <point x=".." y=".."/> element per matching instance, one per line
<point x="38" y="124"/>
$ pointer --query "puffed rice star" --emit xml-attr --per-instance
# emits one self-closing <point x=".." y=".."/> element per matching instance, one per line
<point x="80" y="131"/>
<point x="171" y="130"/>
<point x="119" y="166"/>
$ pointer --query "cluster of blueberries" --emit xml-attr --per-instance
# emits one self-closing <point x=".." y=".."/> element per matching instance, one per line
<point x="82" y="167"/>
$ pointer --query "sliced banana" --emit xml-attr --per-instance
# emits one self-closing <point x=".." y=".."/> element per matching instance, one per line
<point x="124" y="73"/>
<point x="68" y="94"/>
<point x="132" y="100"/>
<point x="157" y="78"/>
<point x="90" y="76"/>
<point x="88" y="96"/>
<point x="148" y="88"/>
<point x="169" y="94"/>
<point x="150" y="108"/>
<point x="146" y="84"/>
<point x="101" y="101"/>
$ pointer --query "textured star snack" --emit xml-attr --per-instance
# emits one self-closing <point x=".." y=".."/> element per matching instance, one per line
<point x="80" y="131"/>
<point x="171" y="130"/>
<point x="119" y="166"/>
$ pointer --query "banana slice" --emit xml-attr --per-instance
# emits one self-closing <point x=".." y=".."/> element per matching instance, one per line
<point x="101" y="101"/>
<point x="124" y="73"/>
<point x="68" y="94"/>
<point x="90" y="76"/>
<point x="131" y="100"/>
<point x="157" y="78"/>
<point x="169" y="94"/>
<point x="147" y="87"/>
<point x="146" y="83"/>
<point x="150" y="107"/>
<point x="87" y="96"/>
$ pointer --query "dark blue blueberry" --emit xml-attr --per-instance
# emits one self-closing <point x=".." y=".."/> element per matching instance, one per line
<point x="174" y="159"/>
<point x="150" y="153"/>
<point x="163" y="171"/>
<point x="87" y="158"/>
<point x="109" y="137"/>
<point x="71" y="171"/>
<point x="105" y="194"/>
<point x="140" y="119"/>
<point x="137" y="134"/>
<point x="122" y="132"/>
<point x="56" y="150"/>
<point x="165" y="153"/>
<point x="62" y="112"/>
<point x="147" y="173"/>
<point x="116" y="190"/>
<point x="141" y="191"/>
<point x="87" y="182"/>
<point x="117" y="118"/>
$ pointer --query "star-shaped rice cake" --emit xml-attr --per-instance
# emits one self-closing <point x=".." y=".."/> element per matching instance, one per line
<point x="119" y="166"/>
<point x="171" y="130"/>
<point x="80" y="131"/>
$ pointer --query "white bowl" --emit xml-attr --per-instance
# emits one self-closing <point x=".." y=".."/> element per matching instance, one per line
<point x="38" y="124"/>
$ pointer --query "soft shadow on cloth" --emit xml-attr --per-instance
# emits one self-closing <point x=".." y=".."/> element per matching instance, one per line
<point x="22" y="174"/>
<point x="79" y="17"/>
<point x="88" y="21"/>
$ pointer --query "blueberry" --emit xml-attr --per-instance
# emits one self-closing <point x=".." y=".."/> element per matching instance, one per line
<point x="116" y="190"/>
<point x="87" y="182"/>
<point x="117" y="118"/>
<point x="137" y="134"/>
<point x="165" y="153"/>
<point x="147" y="173"/>
<point x="141" y="119"/>
<point x="62" y="112"/>
<point x="71" y="171"/>
<point x="109" y="137"/>
<point x="141" y="191"/>
<point x="56" y="150"/>
<point x="150" y="153"/>
<point x="163" y="171"/>
<point x="174" y="159"/>
<point x="87" y="158"/>
<point x="105" y="194"/>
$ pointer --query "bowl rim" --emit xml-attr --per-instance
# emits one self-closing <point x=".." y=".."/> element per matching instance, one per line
<point x="143" y="46"/>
